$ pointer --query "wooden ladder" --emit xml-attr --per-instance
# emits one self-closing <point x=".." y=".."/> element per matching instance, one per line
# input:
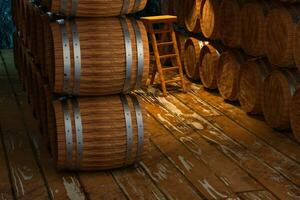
<point x="158" y="49"/>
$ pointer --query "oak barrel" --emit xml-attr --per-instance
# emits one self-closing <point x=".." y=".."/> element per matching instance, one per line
<point x="210" y="18"/>
<point x="279" y="89"/>
<point x="118" y="48"/>
<point x="99" y="133"/>
<point x="280" y="34"/>
<point x="253" y="22"/>
<point x="192" y="50"/>
<point x="295" y="115"/>
<point x="253" y="75"/>
<point x="230" y="25"/>
<point x="91" y="8"/>
<point x="192" y="15"/>
<point x="209" y="64"/>
<point x="230" y="67"/>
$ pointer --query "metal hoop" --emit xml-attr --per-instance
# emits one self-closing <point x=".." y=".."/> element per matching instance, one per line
<point x="68" y="133"/>
<point x="129" y="130"/>
<point x="128" y="50"/>
<point x="77" y="59"/>
<point x="140" y="53"/>
<point x="79" y="131"/>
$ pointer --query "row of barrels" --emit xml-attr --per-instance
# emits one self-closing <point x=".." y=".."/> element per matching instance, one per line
<point x="93" y="143"/>
<point x="103" y="53"/>
<point x="259" y="86"/>
<point x="260" y="28"/>
<point x="78" y="74"/>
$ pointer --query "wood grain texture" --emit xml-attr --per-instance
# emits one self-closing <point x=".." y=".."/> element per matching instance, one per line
<point x="230" y="66"/>
<point x="210" y="18"/>
<point x="230" y="25"/>
<point x="192" y="50"/>
<point x="297" y="46"/>
<point x="104" y="144"/>
<point x="102" y="40"/>
<point x="192" y="15"/>
<point x="93" y="8"/>
<point x="209" y="64"/>
<point x="253" y="22"/>
<point x="252" y="80"/>
<point x="279" y="89"/>
<point x="280" y="35"/>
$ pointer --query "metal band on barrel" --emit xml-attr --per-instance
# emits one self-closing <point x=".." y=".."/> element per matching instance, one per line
<point x="128" y="50"/>
<point x="140" y="53"/>
<point x="74" y="7"/>
<point x="67" y="57"/>
<point x="68" y="132"/>
<point x="125" y="7"/>
<point x="63" y="7"/>
<point x="140" y="127"/>
<point x="137" y="5"/>
<point x="78" y="127"/>
<point x="77" y="59"/>
<point x="129" y="130"/>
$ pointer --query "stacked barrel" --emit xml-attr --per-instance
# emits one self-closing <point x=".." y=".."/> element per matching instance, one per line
<point x="79" y="62"/>
<point x="251" y="54"/>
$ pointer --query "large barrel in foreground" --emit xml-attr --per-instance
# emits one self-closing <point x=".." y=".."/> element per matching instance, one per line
<point x="297" y="46"/>
<point x="99" y="133"/>
<point x="252" y="80"/>
<point x="279" y="89"/>
<point x="97" y="56"/>
<point x="91" y="8"/>
<point x="295" y="115"/>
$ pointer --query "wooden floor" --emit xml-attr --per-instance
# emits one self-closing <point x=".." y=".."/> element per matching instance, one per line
<point x="201" y="148"/>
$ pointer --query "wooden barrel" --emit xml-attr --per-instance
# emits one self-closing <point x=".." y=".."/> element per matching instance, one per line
<point x="253" y="75"/>
<point x="209" y="64"/>
<point x="97" y="144"/>
<point x="253" y="21"/>
<point x="297" y="46"/>
<point x="91" y="8"/>
<point x="210" y="18"/>
<point x="181" y="40"/>
<point x="230" y="25"/>
<point x="230" y="67"/>
<point x="192" y="15"/>
<point x="280" y="35"/>
<point x="42" y="103"/>
<point x="279" y="89"/>
<point x="116" y="66"/>
<point x="295" y="115"/>
<point x="192" y="58"/>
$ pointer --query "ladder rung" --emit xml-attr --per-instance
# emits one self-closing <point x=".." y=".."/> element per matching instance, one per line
<point x="165" y="43"/>
<point x="168" y="56"/>
<point x="170" y="68"/>
<point x="162" y="31"/>
<point x="173" y="80"/>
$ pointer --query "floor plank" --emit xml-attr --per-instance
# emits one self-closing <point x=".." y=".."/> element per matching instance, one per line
<point x="193" y="169"/>
<point x="271" y="156"/>
<point x="259" y="195"/>
<point x="26" y="176"/>
<point x="266" y="175"/>
<point x="170" y="181"/>
<point x="258" y="127"/>
<point x="232" y="175"/>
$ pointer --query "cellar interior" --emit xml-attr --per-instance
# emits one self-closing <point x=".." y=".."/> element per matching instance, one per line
<point x="162" y="100"/>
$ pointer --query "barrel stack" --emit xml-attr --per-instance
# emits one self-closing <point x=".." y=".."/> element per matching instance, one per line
<point x="79" y="62"/>
<point x="251" y="55"/>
